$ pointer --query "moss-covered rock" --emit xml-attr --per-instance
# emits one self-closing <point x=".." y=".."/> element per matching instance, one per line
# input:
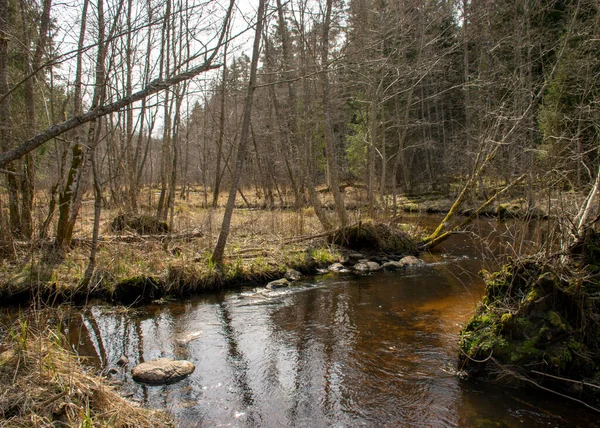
<point x="531" y="318"/>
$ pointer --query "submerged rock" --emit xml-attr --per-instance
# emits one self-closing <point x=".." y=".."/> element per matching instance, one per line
<point x="279" y="283"/>
<point x="366" y="266"/>
<point x="162" y="371"/>
<point x="293" y="275"/>
<point x="189" y="337"/>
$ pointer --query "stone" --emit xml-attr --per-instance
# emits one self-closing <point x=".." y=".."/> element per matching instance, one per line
<point x="410" y="261"/>
<point x="366" y="266"/>
<point x="162" y="371"/>
<point x="393" y="265"/>
<point x="189" y="337"/>
<point x="293" y="275"/>
<point x="279" y="283"/>
<point x="336" y="267"/>
<point x="123" y="361"/>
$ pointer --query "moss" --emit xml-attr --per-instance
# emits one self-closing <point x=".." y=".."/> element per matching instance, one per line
<point x="555" y="320"/>
<point x="533" y="318"/>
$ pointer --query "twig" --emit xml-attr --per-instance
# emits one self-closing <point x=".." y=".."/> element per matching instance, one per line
<point x="579" y="382"/>
<point x="526" y="379"/>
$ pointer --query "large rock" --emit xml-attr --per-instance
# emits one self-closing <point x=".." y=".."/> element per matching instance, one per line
<point x="162" y="371"/>
<point x="279" y="283"/>
<point x="366" y="266"/>
<point x="293" y="275"/>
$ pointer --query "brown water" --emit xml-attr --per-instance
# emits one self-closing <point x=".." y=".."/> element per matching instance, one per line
<point x="335" y="350"/>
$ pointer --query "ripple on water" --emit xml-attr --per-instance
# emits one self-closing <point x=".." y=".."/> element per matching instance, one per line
<point x="337" y="350"/>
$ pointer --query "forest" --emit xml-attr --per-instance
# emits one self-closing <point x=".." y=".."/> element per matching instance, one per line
<point x="158" y="150"/>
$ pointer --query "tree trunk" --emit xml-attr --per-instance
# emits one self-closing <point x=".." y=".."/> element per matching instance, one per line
<point x="332" y="162"/>
<point x="217" y="256"/>
<point x="68" y="193"/>
<point x="293" y="130"/>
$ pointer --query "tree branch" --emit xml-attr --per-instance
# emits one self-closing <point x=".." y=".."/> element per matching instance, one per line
<point x="60" y="128"/>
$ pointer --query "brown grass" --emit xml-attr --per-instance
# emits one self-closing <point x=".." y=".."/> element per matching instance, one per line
<point x="259" y="248"/>
<point x="44" y="385"/>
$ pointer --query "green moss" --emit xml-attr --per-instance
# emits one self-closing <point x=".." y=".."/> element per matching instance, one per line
<point x="556" y="320"/>
<point x="531" y="317"/>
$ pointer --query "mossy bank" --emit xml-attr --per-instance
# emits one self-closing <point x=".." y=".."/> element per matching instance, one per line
<point x="539" y="323"/>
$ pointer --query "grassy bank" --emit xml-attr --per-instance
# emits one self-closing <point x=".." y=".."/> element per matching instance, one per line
<point x="43" y="385"/>
<point x="128" y="273"/>
<point x="263" y="244"/>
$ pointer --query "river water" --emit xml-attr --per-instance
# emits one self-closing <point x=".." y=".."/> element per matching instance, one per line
<point x="336" y="350"/>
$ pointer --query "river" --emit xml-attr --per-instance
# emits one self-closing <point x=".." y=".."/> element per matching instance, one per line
<point x="335" y="350"/>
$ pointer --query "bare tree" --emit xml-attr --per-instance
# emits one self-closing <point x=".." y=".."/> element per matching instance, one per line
<point x="217" y="256"/>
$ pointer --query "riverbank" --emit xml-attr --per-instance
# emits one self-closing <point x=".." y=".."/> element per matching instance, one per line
<point x="44" y="384"/>
<point x="136" y="269"/>
<point x="539" y="325"/>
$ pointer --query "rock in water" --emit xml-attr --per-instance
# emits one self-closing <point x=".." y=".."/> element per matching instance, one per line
<point x="189" y="337"/>
<point x="293" y="275"/>
<point x="162" y="371"/>
<point x="366" y="266"/>
<point x="336" y="267"/>
<point x="410" y="261"/>
<point x="393" y="265"/>
<point x="405" y="262"/>
<point x="279" y="283"/>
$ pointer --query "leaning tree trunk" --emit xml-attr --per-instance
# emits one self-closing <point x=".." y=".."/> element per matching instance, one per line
<point x="217" y="256"/>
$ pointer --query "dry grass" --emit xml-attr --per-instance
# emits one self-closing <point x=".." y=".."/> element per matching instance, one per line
<point x="257" y="249"/>
<point x="45" y="385"/>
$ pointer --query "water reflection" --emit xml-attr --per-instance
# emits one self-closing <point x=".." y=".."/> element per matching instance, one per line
<point x="338" y="350"/>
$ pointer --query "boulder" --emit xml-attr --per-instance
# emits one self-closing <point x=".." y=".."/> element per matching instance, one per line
<point x="410" y="261"/>
<point x="293" y="275"/>
<point x="162" y="371"/>
<point x="279" y="283"/>
<point x="366" y="266"/>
